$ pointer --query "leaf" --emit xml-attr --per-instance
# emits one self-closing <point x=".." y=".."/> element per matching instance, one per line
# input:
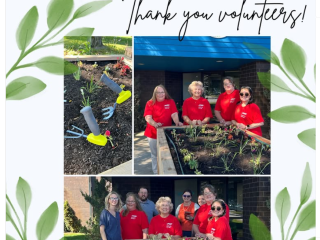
<point x="294" y="58"/>
<point x="24" y="87"/>
<point x="274" y="59"/>
<point x="69" y="68"/>
<point x="27" y="28"/>
<point x="270" y="80"/>
<point x="8" y="237"/>
<point x="307" y="217"/>
<point x="81" y="32"/>
<point x="89" y="8"/>
<point x="308" y="137"/>
<point x="314" y="72"/>
<point x="8" y="213"/>
<point x="58" y="12"/>
<point x="258" y="229"/>
<point x="264" y="53"/>
<point x="283" y="205"/>
<point x="23" y="194"/>
<point x="313" y="238"/>
<point x="306" y="186"/>
<point x="290" y="114"/>
<point x="51" y="65"/>
<point x="47" y="221"/>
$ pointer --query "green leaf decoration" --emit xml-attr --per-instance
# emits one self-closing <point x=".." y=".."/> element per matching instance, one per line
<point x="274" y="59"/>
<point x="8" y="237"/>
<point x="27" y="28"/>
<point x="89" y="8"/>
<point x="307" y="217"/>
<point x="8" y="213"/>
<point x="264" y="53"/>
<point x="23" y="195"/>
<point x="69" y="68"/>
<point x="283" y="205"/>
<point x="258" y="229"/>
<point x="313" y="238"/>
<point x="294" y="58"/>
<point x="314" y="72"/>
<point x="81" y="32"/>
<point x="290" y="114"/>
<point x="270" y="80"/>
<point x="306" y="186"/>
<point x="308" y="137"/>
<point x="47" y="221"/>
<point x="51" y="65"/>
<point x="58" y="12"/>
<point x="24" y="87"/>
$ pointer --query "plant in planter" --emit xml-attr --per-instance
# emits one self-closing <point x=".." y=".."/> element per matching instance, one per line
<point x="77" y="74"/>
<point x="257" y="161"/>
<point x="193" y="132"/>
<point x="227" y="166"/>
<point x="91" y="87"/>
<point x="243" y="145"/>
<point x="86" y="101"/>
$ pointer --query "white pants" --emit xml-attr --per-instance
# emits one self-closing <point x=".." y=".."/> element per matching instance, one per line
<point x="153" y="149"/>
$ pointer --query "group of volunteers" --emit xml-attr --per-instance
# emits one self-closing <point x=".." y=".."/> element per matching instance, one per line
<point x="232" y="107"/>
<point x="140" y="217"/>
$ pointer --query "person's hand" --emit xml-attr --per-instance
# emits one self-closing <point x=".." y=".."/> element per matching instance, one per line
<point x="179" y="124"/>
<point x="199" y="122"/>
<point x="227" y="123"/>
<point x="210" y="236"/>
<point x="193" y="123"/>
<point x="241" y="126"/>
<point x="156" y="125"/>
<point x="200" y="235"/>
<point x="222" y="121"/>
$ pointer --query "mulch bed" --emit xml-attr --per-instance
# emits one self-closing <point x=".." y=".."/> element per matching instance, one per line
<point x="209" y="153"/>
<point x="81" y="156"/>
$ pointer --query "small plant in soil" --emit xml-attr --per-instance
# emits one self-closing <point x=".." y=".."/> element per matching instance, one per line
<point x="107" y="71"/>
<point x="203" y="128"/>
<point x="243" y="145"/>
<point x="77" y="74"/>
<point x="108" y="136"/>
<point x="225" y="160"/>
<point x="256" y="162"/>
<point x="193" y="132"/>
<point x="91" y="87"/>
<point x="85" y="101"/>
<point x="95" y="65"/>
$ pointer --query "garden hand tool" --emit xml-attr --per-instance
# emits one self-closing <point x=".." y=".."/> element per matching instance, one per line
<point x="123" y="95"/>
<point x="109" y="111"/>
<point x="94" y="137"/>
<point x="78" y="135"/>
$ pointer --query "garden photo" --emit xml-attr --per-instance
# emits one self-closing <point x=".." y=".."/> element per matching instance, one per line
<point x="98" y="106"/>
<point x="166" y="207"/>
<point x="200" y="107"/>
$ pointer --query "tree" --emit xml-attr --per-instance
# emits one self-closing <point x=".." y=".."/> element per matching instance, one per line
<point x="96" y="42"/>
<point x="72" y="223"/>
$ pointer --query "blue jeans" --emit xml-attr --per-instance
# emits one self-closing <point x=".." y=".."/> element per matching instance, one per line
<point x="186" y="233"/>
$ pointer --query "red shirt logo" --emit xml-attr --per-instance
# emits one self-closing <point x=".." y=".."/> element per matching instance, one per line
<point x="200" y="106"/>
<point x="169" y="225"/>
<point x="167" y="106"/>
<point x="133" y="217"/>
<point x="232" y="100"/>
<point x="243" y="115"/>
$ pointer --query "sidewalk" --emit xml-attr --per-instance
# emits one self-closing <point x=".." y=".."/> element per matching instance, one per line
<point x="142" y="156"/>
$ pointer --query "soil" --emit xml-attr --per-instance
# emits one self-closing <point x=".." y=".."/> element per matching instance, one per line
<point x="209" y="154"/>
<point x="81" y="156"/>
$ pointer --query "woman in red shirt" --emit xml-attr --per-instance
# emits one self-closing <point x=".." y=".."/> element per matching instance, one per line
<point x="247" y="115"/>
<point x="227" y="102"/>
<point x="134" y="221"/>
<point x="196" y="110"/>
<point x="218" y="227"/>
<point x="160" y="110"/>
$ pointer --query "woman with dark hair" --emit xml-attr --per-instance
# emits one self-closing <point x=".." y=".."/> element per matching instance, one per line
<point x="134" y="221"/>
<point x="201" y="220"/>
<point x="160" y="110"/>
<point x="110" y="218"/>
<point x="185" y="213"/>
<point x="227" y="102"/>
<point x="218" y="227"/>
<point x="247" y="115"/>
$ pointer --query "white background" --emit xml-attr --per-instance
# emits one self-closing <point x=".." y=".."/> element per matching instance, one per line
<point x="40" y="162"/>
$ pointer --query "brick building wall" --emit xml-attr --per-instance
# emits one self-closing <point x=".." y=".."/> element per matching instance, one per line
<point x="72" y="194"/>
<point x="256" y="193"/>
<point x="249" y="77"/>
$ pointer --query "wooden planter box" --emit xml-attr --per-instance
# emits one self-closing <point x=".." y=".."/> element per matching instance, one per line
<point x="165" y="162"/>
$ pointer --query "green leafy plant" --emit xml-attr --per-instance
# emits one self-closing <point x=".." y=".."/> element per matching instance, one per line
<point x="47" y="221"/>
<point x="256" y="162"/>
<point x="225" y="160"/>
<point x="85" y="101"/>
<point x="58" y="13"/>
<point x="91" y="87"/>
<point x="193" y="132"/>
<point x="243" y="145"/>
<point x="77" y="74"/>
<point x="72" y="223"/>
<point x="293" y="64"/>
<point x="95" y="65"/>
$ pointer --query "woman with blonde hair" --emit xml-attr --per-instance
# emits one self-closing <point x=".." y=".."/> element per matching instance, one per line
<point x="165" y="223"/>
<point x="160" y="110"/>
<point x="110" y="218"/>
<point x="196" y="110"/>
<point x="134" y="221"/>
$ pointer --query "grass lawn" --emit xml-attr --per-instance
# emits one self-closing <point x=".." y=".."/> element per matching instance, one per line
<point x="81" y="45"/>
<point x="74" y="236"/>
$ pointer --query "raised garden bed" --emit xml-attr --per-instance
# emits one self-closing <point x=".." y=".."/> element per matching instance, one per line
<point x="212" y="150"/>
<point x="81" y="156"/>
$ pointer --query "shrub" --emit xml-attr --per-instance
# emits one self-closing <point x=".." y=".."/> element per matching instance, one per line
<point x="71" y="222"/>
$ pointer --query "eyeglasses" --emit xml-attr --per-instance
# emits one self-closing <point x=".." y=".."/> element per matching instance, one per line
<point x="114" y="199"/>
<point x="186" y="196"/>
<point x="159" y="93"/>
<point x="214" y="208"/>
<point x="246" y="94"/>
<point x="130" y="201"/>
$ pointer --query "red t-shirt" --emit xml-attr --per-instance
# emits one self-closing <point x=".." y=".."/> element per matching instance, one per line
<point x="132" y="224"/>
<point x="202" y="216"/>
<point x="248" y="115"/>
<point x="169" y="225"/>
<point x="196" y="109"/>
<point x="227" y="103"/>
<point x="220" y="228"/>
<point x="160" y="112"/>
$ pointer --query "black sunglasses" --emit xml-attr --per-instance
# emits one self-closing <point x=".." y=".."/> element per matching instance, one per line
<point x="246" y="94"/>
<point x="214" y="208"/>
<point x="186" y="195"/>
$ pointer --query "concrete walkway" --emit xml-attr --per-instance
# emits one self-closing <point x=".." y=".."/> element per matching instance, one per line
<point x="122" y="169"/>
<point x="142" y="156"/>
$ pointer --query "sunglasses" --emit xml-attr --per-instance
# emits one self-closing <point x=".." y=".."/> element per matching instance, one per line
<point x="214" y="208"/>
<point x="246" y="94"/>
<point x="114" y="199"/>
<point x="186" y="196"/>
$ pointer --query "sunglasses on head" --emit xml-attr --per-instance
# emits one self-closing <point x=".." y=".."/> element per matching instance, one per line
<point x="186" y="196"/>
<point x="214" y="208"/>
<point x="246" y="94"/>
